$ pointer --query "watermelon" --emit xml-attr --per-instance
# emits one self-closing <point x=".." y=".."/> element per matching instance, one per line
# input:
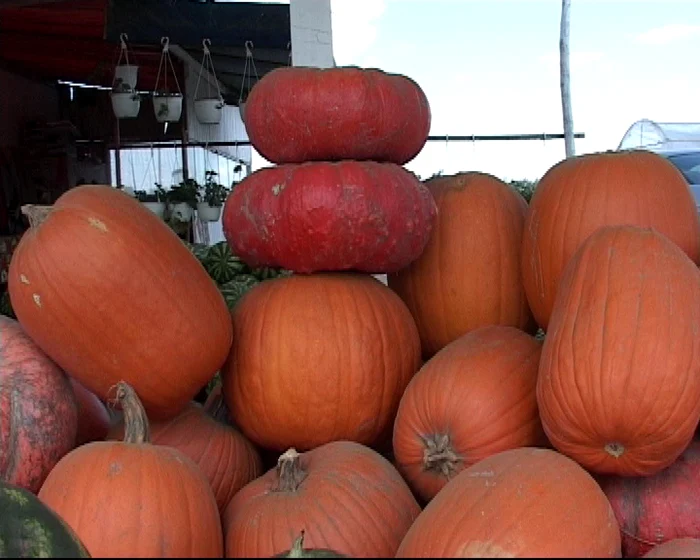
<point x="199" y="250"/>
<point x="29" y="529"/>
<point x="234" y="290"/>
<point x="221" y="264"/>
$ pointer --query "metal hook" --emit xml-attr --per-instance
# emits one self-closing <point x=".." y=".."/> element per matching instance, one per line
<point x="248" y="47"/>
<point x="206" y="43"/>
<point x="165" y="41"/>
<point x="123" y="38"/>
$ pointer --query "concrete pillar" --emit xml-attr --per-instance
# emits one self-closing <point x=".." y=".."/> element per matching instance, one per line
<point x="312" y="35"/>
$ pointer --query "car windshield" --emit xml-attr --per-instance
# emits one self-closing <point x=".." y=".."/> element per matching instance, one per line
<point x="689" y="165"/>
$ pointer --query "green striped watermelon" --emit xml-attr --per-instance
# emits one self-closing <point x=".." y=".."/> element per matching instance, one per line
<point x="199" y="250"/>
<point x="234" y="290"/>
<point x="221" y="264"/>
<point x="29" y="529"/>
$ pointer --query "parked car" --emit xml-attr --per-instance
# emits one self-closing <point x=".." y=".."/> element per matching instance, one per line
<point x="688" y="162"/>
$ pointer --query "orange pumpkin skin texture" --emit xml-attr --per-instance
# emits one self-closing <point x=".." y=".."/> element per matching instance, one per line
<point x="343" y="495"/>
<point x="319" y="358"/>
<point x="579" y="195"/>
<point x="133" y="499"/>
<point x="619" y="380"/>
<point x="474" y="398"/>
<point x="223" y="454"/>
<point x="520" y="503"/>
<point x="677" y="548"/>
<point x="469" y="274"/>
<point x="108" y="291"/>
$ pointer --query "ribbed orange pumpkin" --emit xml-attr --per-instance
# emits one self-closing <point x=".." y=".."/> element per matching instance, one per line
<point x="319" y="358"/>
<point x="581" y="194"/>
<point x="474" y="398"/>
<point x="469" y="274"/>
<point x="108" y="291"/>
<point x="619" y="379"/>
<point x="343" y="495"/>
<point x="520" y="503"/>
<point x="224" y="455"/>
<point x="132" y="499"/>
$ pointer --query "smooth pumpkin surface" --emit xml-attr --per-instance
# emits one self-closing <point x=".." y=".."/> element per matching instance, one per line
<point x="676" y="548"/>
<point x="319" y="358"/>
<point x="109" y="292"/>
<point x="223" y="454"/>
<point x="29" y="529"/>
<point x="38" y="415"/>
<point x="619" y="380"/>
<point x="581" y="194"/>
<point x="343" y="495"/>
<point x="321" y="216"/>
<point x="520" y="503"/>
<point x="474" y="398"/>
<point x="299" y="114"/>
<point x="469" y="274"/>
<point x="132" y="499"/>
<point x="652" y="510"/>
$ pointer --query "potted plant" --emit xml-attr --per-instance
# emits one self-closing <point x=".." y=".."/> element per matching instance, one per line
<point x="126" y="102"/>
<point x="127" y="74"/>
<point x="210" y="203"/>
<point x="208" y="110"/>
<point x="167" y="106"/>
<point x="154" y="201"/>
<point x="182" y="199"/>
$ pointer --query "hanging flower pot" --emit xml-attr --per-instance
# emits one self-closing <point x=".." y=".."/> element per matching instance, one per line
<point x="125" y="104"/>
<point x="167" y="107"/>
<point x="182" y="211"/>
<point x="127" y="74"/>
<point x="241" y="110"/>
<point x="208" y="213"/>
<point x="158" y="208"/>
<point x="209" y="111"/>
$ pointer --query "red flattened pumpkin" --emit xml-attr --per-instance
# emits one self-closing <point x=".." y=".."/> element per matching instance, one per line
<point x="132" y="499"/>
<point x="581" y="194"/>
<point x="319" y="358"/>
<point x="474" y="398"/>
<point x="343" y="495"/>
<point x="296" y="114"/>
<point x="109" y="292"/>
<point x="520" y="503"/>
<point x="350" y="215"/>
<point x="619" y="380"/>
<point x="38" y="414"/>
<point x="469" y="274"/>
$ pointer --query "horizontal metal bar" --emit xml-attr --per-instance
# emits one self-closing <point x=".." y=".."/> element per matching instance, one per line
<point x="479" y="137"/>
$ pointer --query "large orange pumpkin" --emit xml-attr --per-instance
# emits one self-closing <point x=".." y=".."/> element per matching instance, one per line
<point x="343" y="495"/>
<point x="109" y="292"/>
<point x="579" y="195"/>
<point x="520" y="503"/>
<point x="223" y="454"/>
<point x="319" y="358"/>
<point x="619" y="379"/>
<point x="469" y="274"/>
<point x="132" y="499"/>
<point x="474" y="398"/>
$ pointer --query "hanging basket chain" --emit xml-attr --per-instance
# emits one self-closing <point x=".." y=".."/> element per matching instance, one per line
<point x="208" y="65"/>
<point x="166" y="60"/>
<point x="249" y="64"/>
<point x="123" y="51"/>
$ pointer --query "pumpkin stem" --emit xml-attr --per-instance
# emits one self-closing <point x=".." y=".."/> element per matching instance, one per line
<point x="290" y="475"/>
<point x="297" y="550"/>
<point x="35" y="213"/>
<point x="439" y="456"/>
<point x="136" y="428"/>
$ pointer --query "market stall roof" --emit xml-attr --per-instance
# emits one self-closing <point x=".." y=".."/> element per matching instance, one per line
<point x="78" y="40"/>
<point x="662" y="137"/>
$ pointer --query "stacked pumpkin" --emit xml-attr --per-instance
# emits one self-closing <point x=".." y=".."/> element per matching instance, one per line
<point x="320" y="359"/>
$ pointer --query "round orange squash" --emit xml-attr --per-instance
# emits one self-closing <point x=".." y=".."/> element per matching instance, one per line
<point x="132" y="499"/>
<point x="676" y="548"/>
<point x="474" y="398"/>
<point x="223" y="454"/>
<point x="343" y="495"/>
<point x="579" y="195"/>
<point x="319" y="358"/>
<point x="520" y="503"/>
<point x="469" y="274"/>
<point x="109" y="292"/>
<point x="619" y="380"/>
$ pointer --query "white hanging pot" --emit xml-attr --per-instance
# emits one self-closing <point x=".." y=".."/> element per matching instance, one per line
<point x="182" y="211"/>
<point x="209" y="111"/>
<point x="126" y="105"/>
<point x="128" y="74"/>
<point x="208" y="213"/>
<point x="241" y="110"/>
<point x="167" y="108"/>
<point x="158" y="208"/>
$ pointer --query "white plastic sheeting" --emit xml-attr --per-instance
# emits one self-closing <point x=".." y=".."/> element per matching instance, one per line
<point x="661" y="137"/>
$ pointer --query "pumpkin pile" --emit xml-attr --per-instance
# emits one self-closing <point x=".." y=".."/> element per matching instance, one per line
<point x="345" y="417"/>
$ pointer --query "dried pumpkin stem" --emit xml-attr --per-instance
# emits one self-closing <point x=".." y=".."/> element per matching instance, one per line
<point x="439" y="456"/>
<point x="36" y="214"/>
<point x="297" y="550"/>
<point x="136" y="428"/>
<point x="290" y="474"/>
